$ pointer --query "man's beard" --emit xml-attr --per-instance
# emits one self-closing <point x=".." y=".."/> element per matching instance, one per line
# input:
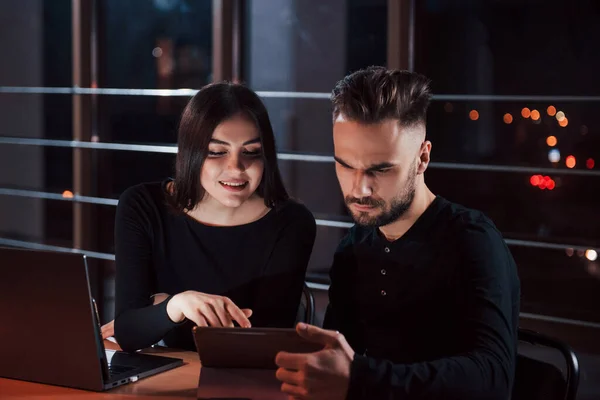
<point x="399" y="205"/>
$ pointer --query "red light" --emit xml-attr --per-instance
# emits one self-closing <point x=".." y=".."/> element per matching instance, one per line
<point x="542" y="182"/>
<point x="590" y="163"/>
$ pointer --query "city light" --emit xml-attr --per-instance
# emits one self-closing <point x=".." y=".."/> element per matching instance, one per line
<point x="560" y="116"/>
<point x="554" y="156"/>
<point x="535" y="115"/>
<point x="542" y="182"/>
<point x="474" y="115"/>
<point x="571" y="162"/>
<point x="551" y="141"/>
<point x="448" y="107"/>
<point x="591" y="255"/>
<point x="589" y="163"/>
<point x="551" y="110"/>
<point x="525" y="112"/>
<point x="508" y="118"/>
<point x="563" y="122"/>
<point x="67" y="194"/>
<point x="157" y="52"/>
<point x="535" y="180"/>
<point x="569" y="251"/>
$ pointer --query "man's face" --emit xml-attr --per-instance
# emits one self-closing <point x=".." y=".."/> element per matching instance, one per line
<point x="377" y="166"/>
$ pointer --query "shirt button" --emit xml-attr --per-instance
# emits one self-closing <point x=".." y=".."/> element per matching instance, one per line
<point x="383" y="272"/>
<point x="387" y="249"/>
<point x="383" y="293"/>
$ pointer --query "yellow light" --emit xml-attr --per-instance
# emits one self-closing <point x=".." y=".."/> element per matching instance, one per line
<point x="570" y="162"/>
<point x="591" y="254"/>
<point x="67" y="194"/>
<point x="508" y="118"/>
<point x="551" y="141"/>
<point x="564" y="122"/>
<point x="525" y="112"/>
<point x="474" y="115"/>
<point x="560" y="116"/>
<point x="535" y="115"/>
<point x="551" y="110"/>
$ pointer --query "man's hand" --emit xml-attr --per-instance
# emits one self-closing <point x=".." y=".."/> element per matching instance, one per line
<point x="321" y="375"/>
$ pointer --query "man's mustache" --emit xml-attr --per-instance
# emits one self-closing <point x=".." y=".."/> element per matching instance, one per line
<point x="365" y="201"/>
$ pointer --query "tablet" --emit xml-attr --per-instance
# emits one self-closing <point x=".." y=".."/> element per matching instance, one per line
<point x="247" y="347"/>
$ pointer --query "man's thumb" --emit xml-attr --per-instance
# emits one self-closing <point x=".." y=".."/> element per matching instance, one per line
<point x="316" y="335"/>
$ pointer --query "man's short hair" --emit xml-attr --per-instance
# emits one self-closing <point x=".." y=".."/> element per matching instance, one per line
<point x="374" y="94"/>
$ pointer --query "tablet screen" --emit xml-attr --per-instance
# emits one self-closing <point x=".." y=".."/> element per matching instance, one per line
<point x="247" y="347"/>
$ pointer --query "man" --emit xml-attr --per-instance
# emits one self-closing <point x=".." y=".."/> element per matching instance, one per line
<point x="424" y="292"/>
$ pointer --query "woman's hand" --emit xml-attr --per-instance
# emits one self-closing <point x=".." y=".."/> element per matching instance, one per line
<point x="207" y="310"/>
<point x="108" y="330"/>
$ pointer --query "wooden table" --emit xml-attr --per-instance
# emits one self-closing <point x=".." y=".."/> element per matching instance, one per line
<point x="178" y="383"/>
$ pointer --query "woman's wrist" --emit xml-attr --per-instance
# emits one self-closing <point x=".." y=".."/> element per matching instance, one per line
<point x="173" y="310"/>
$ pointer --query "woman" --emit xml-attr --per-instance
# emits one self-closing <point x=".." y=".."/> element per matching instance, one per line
<point x="222" y="242"/>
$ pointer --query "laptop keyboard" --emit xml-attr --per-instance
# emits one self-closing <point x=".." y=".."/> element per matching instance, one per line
<point x="119" y="369"/>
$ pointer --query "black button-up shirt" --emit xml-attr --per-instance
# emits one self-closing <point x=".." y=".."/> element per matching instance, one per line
<point x="433" y="314"/>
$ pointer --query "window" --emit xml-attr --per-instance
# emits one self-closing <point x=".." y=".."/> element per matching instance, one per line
<point x="513" y="119"/>
<point x="515" y="134"/>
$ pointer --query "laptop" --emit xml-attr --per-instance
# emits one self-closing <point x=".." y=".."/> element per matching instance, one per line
<point x="50" y="330"/>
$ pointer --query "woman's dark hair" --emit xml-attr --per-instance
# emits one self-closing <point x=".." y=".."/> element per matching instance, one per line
<point x="212" y="105"/>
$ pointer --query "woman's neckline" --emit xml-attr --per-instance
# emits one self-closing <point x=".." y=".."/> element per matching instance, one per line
<point x="189" y="217"/>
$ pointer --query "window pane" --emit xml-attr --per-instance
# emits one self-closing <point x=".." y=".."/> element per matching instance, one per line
<point x="37" y="169"/>
<point x="36" y="220"/>
<point x="515" y="133"/>
<point x="327" y="240"/>
<point x="119" y="170"/>
<point x="139" y="119"/>
<point x="36" y="116"/>
<point x="35" y="43"/>
<point x="565" y="214"/>
<point x="301" y="125"/>
<point x="509" y="47"/>
<point x="307" y="45"/>
<point x="314" y="184"/>
<point x="158" y="44"/>
<point x="557" y="282"/>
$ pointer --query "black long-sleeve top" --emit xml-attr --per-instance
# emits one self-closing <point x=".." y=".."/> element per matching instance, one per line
<point x="260" y="265"/>
<point x="432" y="315"/>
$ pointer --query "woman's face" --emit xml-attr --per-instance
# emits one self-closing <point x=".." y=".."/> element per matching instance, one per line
<point x="234" y="166"/>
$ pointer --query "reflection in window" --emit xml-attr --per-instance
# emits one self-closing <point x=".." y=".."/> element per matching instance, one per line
<point x="164" y="44"/>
